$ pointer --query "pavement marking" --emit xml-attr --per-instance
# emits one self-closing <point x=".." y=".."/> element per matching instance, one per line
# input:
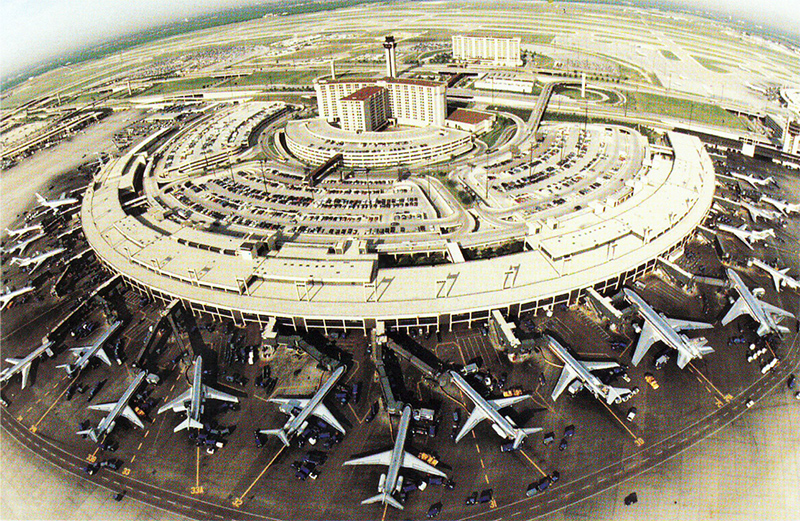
<point x="197" y="489"/>
<point x="639" y="441"/>
<point x="533" y="463"/>
<point x="726" y="397"/>
<point x="35" y="426"/>
<point x="240" y="500"/>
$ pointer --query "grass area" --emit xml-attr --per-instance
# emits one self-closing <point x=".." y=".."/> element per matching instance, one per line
<point x="463" y="196"/>
<point x="491" y="137"/>
<point x="666" y="53"/>
<point x="683" y="109"/>
<point x="287" y="77"/>
<point x="542" y="61"/>
<point x="654" y="79"/>
<point x="183" y="84"/>
<point x="712" y="65"/>
<point x="576" y="94"/>
<point x="523" y="114"/>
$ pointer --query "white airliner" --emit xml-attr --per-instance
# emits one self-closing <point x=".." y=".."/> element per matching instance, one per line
<point x="779" y="277"/>
<point x="36" y="260"/>
<point x="490" y="410"/>
<point x="8" y="296"/>
<point x="767" y="315"/>
<point x="55" y="204"/>
<point x="86" y="353"/>
<point x="754" y="181"/>
<point x="22" y="231"/>
<point x="115" y="410"/>
<point x="23" y="365"/>
<point x="193" y="399"/>
<point x="658" y="327"/>
<point x="757" y="213"/>
<point x="394" y="459"/>
<point x="582" y="370"/>
<point x="749" y="237"/>
<point x="782" y="206"/>
<point x="307" y="406"/>
<point x="20" y="247"/>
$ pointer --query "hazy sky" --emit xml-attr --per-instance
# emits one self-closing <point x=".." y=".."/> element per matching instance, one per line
<point x="32" y="31"/>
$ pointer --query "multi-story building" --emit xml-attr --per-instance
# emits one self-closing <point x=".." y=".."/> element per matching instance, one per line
<point x="365" y="110"/>
<point x="409" y="102"/>
<point x="497" y="51"/>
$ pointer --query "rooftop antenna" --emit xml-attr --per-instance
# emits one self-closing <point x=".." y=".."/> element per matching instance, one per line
<point x="333" y="69"/>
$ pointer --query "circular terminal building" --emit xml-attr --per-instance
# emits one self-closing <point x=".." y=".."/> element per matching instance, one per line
<point x="189" y="214"/>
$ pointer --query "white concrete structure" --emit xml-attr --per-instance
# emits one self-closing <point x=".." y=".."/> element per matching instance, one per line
<point x="505" y="81"/>
<point x="504" y="52"/>
<point x="410" y="102"/>
<point x="364" y="110"/>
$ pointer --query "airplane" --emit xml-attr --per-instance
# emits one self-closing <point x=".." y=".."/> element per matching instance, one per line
<point x="749" y="304"/>
<point x="392" y="481"/>
<point x="490" y="409"/>
<point x="115" y="410"/>
<point x="7" y="297"/>
<point x="779" y="277"/>
<point x="21" y="246"/>
<point x="657" y="327"/>
<point x="23" y="365"/>
<point x="192" y="399"/>
<point x="747" y="236"/>
<point x="784" y="207"/>
<point x="55" y="204"/>
<point x="582" y="370"/>
<point x="85" y="353"/>
<point x="757" y="213"/>
<point x="754" y="181"/>
<point x="308" y="406"/>
<point x="22" y="231"/>
<point x="36" y="260"/>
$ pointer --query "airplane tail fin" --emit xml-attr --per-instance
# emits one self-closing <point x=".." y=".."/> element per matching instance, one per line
<point x="41" y="199"/>
<point x="519" y="438"/>
<point x="70" y="369"/>
<point x="92" y="433"/>
<point x="385" y="498"/>
<point x="188" y="423"/>
<point x="280" y="433"/>
<point x="617" y="395"/>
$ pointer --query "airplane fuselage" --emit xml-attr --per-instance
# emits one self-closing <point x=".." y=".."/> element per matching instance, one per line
<point x="393" y="472"/>
<point x="9" y="372"/>
<point x="591" y="381"/>
<point x="666" y="333"/>
<point x="750" y="301"/>
<point x="91" y="351"/>
<point x="106" y="422"/>
<point x="501" y="424"/>
<point x="196" y="405"/>
<point x="296" y="423"/>
<point x="782" y="279"/>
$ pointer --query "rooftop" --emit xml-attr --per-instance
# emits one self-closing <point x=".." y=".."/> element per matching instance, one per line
<point x="471" y="117"/>
<point x="364" y="93"/>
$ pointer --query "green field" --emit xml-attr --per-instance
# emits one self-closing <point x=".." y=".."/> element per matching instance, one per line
<point x="491" y="137"/>
<point x="666" y="53"/>
<point x="523" y="114"/>
<point x="712" y="65"/>
<point x="168" y="87"/>
<point x="683" y="109"/>
<point x="287" y="77"/>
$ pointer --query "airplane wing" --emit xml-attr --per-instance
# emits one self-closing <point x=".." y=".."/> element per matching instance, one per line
<point x="105" y="407"/>
<point x="775" y="310"/>
<point x="219" y="395"/>
<point x="568" y="374"/>
<point x="294" y="402"/>
<point x="687" y="325"/>
<point x="323" y="412"/>
<point x="739" y="308"/>
<point x="129" y="415"/>
<point x="477" y="416"/>
<point x="412" y="462"/>
<point x="502" y="403"/>
<point x="101" y="354"/>
<point x="382" y="458"/>
<point x="646" y="339"/>
<point x="177" y="404"/>
<point x="599" y="366"/>
<point x="777" y="281"/>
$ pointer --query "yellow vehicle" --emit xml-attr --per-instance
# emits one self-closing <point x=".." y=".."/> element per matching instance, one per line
<point x="512" y="392"/>
<point x="651" y="380"/>
<point x="428" y="458"/>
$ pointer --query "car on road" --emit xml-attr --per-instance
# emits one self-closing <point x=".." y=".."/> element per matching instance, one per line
<point x="569" y="431"/>
<point x="549" y="438"/>
<point x="91" y="468"/>
<point x="749" y="403"/>
<point x="562" y="445"/>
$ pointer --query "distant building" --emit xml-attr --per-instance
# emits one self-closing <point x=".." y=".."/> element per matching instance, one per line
<point x="496" y="51"/>
<point x="785" y="132"/>
<point x="408" y="102"/>
<point x="505" y="81"/>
